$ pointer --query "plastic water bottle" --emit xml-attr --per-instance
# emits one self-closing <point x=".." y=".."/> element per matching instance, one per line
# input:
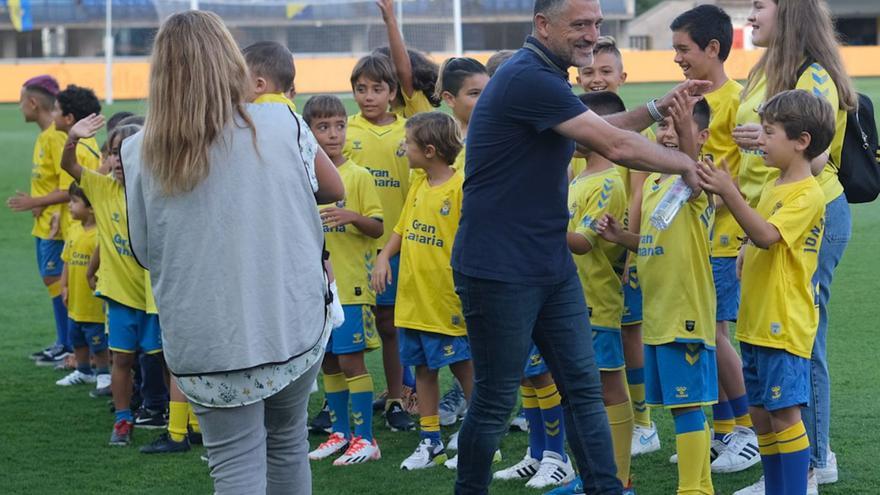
<point x="676" y="196"/>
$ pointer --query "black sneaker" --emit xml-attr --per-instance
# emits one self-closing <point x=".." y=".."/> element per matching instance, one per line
<point x="41" y="352"/>
<point x="321" y="423"/>
<point x="195" y="438"/>
<point x="165" y="445"/>
<point x="396" y="418"/>
<point x="149" y="419"/>
<point x="52" y="356"/>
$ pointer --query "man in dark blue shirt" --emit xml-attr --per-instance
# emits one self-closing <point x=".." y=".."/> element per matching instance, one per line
<point x="512" y="266"/>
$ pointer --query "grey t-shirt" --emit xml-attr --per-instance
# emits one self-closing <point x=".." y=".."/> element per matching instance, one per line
<point x="235" y="263"/>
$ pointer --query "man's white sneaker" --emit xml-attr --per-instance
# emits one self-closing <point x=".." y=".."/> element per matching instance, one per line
<point x="453" y="462"/>
<point x="334" y="444"/>
<point x="741" y="451"/>
<point x="812" y="483"/>
<point x="827" y="474"/>
<point x="102" y="380"/>
<point x="76" y="378"/>
<point x="359" y="451"/>
<point x="522" y="470"/>
<point x="756" y="488"/>
<point x="552" y="472"/>
<point x="452" y="444"/>
<point x="645" y="440"/>
<point x="428" y="454"/>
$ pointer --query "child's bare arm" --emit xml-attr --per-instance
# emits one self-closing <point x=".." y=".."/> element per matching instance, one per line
<point x="399" y="55"/>
<point x="578" y="244"/>
<point x="330" y="187"/>
<point x="85" y="128"/>
<point x="92" y="269"/>
<point x="610" y="229"/>
<point x="370" y="227"/>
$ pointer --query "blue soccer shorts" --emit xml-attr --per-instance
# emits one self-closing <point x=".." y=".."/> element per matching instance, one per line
<point x="726" y="288"/>
<point x="632" y="299"/>
<point x="680" y="374"/>
<point x="49" y="257"/>
<point x="388" y="297"/>
<point x="87" y="334"/>
<point x="434" y="350"/>
<point x="357" y="334"/>
<point x="535" y="364"/>
<point x="608" y="345"/>
<point x="133" y="329"/>
<point x="775" y="378"/>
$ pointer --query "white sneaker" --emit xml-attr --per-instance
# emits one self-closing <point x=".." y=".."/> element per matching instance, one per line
<point x="645" y="440"/>
<point x="452" y="406"/>
<point x="428" y="454"/>
<point x="102" y="380"/>
<point x="359" y="451"/>
<point x="519" y="422"/>
<point x="756" y="488"/>
<point x="741" y="451"/>
<point x="552" y="472"/>
<point x="827" y="474"/>
<point x="715" y="449"/>
<point x="453" y="462"/>
<point x="524" y="469"/>
<point x="812" y="483"/>
<point x="452" y="444"/>
<point x="76" y="378"/>
<point x="334" y="444"/>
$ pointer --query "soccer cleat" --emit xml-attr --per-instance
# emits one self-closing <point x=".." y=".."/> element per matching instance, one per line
<point x="76" y="378"/>
<point x="52" y="357"/>
<point x="716" y="448"/>
<point x="452" y="406"/>
<point x="827" y="474"/>
<point x="332" y="445"/>
<point x="121" y="432"/>
<point x="812" y="483"/>
<point x="321" y="423"/>
<point x="740" y="451"/>
<point x="165" y="445"/>
<point x="552" y="472"/>
<point x="150" y="419"/>
<point x="575" y="487"/>
<point x="524" y="469"/>
<point x="519" y="422"/>
<point x="39" y="354"/>
<point x="629" y="489"/>
<point x="427" y="455"/>
<point x="396" y="419"/>
<point x="645" y="440"/>
<point x="359" y="451"/>
<point x="453" y="462"/>
<point x="194" y="437"/>
<point x="756" y="488"/>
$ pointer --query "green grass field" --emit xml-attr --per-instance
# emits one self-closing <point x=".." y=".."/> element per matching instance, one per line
<point x="54" y="439"/>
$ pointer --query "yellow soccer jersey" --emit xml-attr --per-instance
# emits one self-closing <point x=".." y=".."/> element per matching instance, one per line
<point x="382" y="151"/>
<point x="724" y="103"/>
<point x="351" y="252"/>
<point x="778" y="306"/>
<point x="426" y="298"/>
<point x="120" y="277"/>
<point x="88" y="155"/>
<point x="589" y="198"/>
<point x="675" y="272"/>
<point x="418" y="103"/>
<point x="276" y="98"/>
<point x="46" y="175"/>
<point x="754" y="173"/>
<point x="578" y="165"/>
<point x="82" y="304"/>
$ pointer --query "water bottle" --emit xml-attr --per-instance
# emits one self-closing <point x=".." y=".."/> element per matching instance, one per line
<point x="676" y="196"/>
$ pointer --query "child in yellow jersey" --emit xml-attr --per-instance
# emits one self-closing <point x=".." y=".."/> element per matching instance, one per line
<point x="679" y="310"/>
<point x="778" y="318"/>
<point x="44" y="202"/>
<point x="702" y="38"/>
<point x="375" y="140"/>
<point x="351" y="226"/>
<point x="272" y="72"/>
<point x="598" y="191"/>
<point x="416" y="73"/>
<point x="607" y="74"/>
<point x="429" y="315"/>
<point x="85" y="311"/>
<point x="121" y="280"/>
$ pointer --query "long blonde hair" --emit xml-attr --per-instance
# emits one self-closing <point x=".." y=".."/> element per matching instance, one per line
<point x="804" y="31"/>
<point x="198" y="83"/>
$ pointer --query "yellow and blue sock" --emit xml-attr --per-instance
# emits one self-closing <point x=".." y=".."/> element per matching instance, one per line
<point x="620" y="419"/>
<point x="692" y="444"/>
<point x="794" y="456"/>
<point x="635" y="378"/>
<point x="554" y="423"/>
<point x="60" y="311"/>
<point x="532" y="410"/>
<point x="740" y="406"/>
<point x="771" y="463"/>
<point x="722" y="419"/>
<point x="336" y="391"/>
<point x="429" y="427"/>
<point x="361" y="392"/>
<point x="178" y="417"/>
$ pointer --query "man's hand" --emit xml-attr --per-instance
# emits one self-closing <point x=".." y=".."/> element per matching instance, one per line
<point x="716" y="180"/>
<point x="746" y="136"/>
<point x="336" y="217"/>
<point x="682" y="113"/>
<point x="21" y="202"/>
<point x="692" y="88"/>
<point x="86" y="127"/>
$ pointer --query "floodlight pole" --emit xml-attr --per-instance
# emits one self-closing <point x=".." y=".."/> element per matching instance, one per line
<point x="108" y="52"/>
<point x="193" y="4"/>
<point x="456" y="27"/>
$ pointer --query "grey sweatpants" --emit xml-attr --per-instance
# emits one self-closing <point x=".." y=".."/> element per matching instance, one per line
<point x="261" y="448"/>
